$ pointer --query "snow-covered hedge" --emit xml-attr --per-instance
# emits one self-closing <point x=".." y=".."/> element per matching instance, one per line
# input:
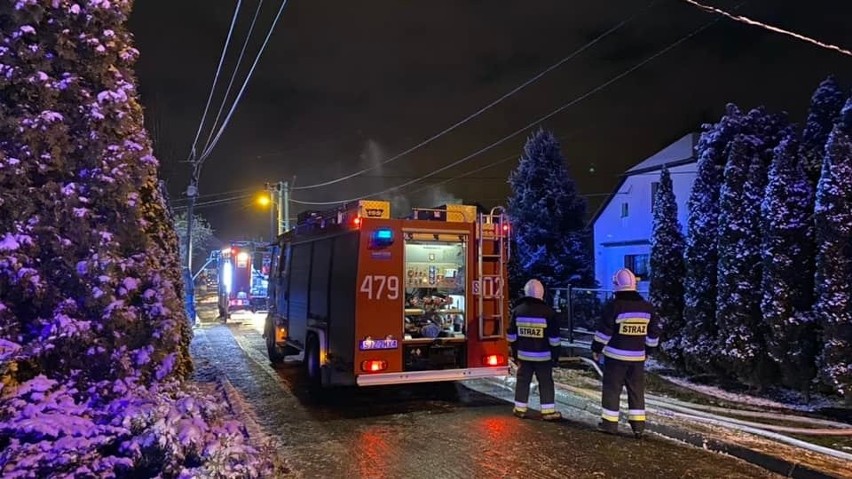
<point x="51" y="429"/>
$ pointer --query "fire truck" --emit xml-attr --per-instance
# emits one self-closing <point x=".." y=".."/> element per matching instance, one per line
<point x="243" y="277"/>
<point x="363" y="299"/>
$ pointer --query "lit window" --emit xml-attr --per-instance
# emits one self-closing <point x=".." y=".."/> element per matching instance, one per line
<point x="640" y="264"/>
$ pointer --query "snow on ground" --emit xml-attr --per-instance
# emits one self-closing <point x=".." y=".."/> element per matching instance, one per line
<point x="792" y="401"/>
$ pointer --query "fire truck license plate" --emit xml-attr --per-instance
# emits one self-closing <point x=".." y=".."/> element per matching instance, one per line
<point x="369" y="344"/>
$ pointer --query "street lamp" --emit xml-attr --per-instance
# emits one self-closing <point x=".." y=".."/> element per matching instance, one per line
<point x="264" y="200"/>
<point x="276" y="198"/>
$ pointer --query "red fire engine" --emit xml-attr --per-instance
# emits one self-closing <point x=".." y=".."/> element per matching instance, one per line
<point x="369" y="300"/>
<point x="243" y="277"/>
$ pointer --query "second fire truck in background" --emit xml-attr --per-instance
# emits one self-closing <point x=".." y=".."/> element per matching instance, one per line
<point x="244" y="277"/>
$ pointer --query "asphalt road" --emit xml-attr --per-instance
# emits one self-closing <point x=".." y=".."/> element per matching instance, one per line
<point x="429" y="431"/>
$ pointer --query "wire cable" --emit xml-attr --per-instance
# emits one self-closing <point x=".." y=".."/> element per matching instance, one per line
<point x="749" y="21"/>
<point x="192" y="153"/>
<point x="483" y="109"/>
<point x="215" y="202"/>
<point x="234" y="74"/>
<point x="528" y="126"/>
<point x="206" y="152"/>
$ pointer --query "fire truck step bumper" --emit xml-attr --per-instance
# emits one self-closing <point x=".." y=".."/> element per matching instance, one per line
<point x="382" y="379"/>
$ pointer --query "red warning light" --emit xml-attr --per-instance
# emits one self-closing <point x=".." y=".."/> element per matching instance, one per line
<point x="505" y="226"/>
<point x="357" y="221"/>
<point x="494" y="360"/>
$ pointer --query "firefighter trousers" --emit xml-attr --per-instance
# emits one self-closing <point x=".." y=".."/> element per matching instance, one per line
<point x="616" y="375"/>
<point x="543" y="371"/>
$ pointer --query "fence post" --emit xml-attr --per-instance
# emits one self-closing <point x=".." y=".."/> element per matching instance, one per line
<point x="570" y="316"/>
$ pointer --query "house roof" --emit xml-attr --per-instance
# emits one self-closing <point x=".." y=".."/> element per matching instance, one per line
<point x="681" y="152"/>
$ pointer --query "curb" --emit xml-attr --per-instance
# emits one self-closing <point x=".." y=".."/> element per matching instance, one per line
<point x="761" y="459"/>
<point x="239" y="409"/>
<point x="766" y="461"/>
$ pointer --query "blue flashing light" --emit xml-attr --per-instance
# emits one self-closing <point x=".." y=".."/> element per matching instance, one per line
<point x="381" y="237"/>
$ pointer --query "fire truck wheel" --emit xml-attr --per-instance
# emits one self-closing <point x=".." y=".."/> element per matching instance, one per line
<point x="312" y="366"/>
<point x="276" y="356"/>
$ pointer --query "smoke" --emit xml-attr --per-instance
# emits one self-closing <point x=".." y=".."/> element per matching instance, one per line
<point x="437" y="196"/>
<point x="372" y="156"/>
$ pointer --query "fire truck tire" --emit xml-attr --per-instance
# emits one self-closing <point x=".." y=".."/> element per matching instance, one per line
<point x="313" y="372"/>
<point x="276" y="356"/>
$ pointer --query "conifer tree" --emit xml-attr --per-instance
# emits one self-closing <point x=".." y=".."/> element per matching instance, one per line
<point x="87" y="255"/>
<point x="743" y="332"/>
<point x="701" y="257"/>
<point x="833" y="221"/>
<point x="548" y="218"/>
<point x="826" y="102"/>
<point x="788" y="265"/>
<point x="667" y="268"/>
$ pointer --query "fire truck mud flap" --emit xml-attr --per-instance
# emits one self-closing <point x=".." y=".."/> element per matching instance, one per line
<point x="382" y="379"/>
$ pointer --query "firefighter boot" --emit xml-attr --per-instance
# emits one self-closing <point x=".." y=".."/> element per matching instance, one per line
<point x="608" y="427"/>
<point x="551" y="416"/>
<point x="520" y="413"/>
<point x="638" y="429"/>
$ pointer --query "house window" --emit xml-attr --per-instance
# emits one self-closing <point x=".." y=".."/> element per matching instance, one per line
<point x="625" y="210"/>
<point x="639" y="264"/>
<point x="654" y="187"/>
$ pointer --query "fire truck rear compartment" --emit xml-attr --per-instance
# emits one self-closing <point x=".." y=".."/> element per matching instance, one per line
<point x="428" y="356"/>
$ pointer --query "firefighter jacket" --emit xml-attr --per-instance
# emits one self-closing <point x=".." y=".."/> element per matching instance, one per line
<point x="533" y="330"/>
<point x="627" y="326"/>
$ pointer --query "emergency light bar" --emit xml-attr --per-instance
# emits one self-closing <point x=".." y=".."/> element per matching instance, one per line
<point x="381" y="238"/>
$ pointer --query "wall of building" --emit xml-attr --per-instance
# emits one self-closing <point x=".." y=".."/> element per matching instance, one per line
<point x="624" y="225"/>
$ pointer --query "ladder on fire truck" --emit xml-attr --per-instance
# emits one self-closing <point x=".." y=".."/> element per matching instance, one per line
<point x="493" y="253"/>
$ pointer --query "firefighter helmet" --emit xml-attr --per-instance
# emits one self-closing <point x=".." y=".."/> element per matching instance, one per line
<point x="624" y="280"/>
<point x="534" y="289"/>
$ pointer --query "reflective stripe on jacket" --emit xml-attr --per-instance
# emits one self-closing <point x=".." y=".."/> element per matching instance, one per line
<point x="626" y="327"/>
<point x="533" y="330"/>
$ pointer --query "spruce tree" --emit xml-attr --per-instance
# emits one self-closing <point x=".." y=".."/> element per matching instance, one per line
<point x="826" y="102"/>
<point x="88" y="283"/>
<point x="548" y="218"/>
<point x="788" y="265"/>
<point x="700" y="331"/>
<point x="667" y="268"/>
<point x="833" y="221"/>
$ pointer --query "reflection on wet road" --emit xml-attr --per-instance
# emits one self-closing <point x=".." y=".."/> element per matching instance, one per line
<point x="432" y="430"/>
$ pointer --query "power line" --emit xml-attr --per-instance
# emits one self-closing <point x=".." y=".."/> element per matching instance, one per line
<point x="213" y="202"/>
<point x="748" y="21"/>
<point x="221" y="193"/>
<point x="481" y="110"/>
<point x="476" y="170"/>
<point x="215" y="79"/>
<point x="227" y="120"/>
<point x="528" y="126"/>
<point x="234" y="73"/>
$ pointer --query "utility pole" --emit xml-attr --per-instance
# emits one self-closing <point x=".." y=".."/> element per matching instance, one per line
<point x="270" y="188"/>
<point x="191" y="193"/>
<point x="283" y="207"/>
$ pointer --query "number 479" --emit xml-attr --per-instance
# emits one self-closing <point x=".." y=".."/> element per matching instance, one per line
<point x="379" y="286"/>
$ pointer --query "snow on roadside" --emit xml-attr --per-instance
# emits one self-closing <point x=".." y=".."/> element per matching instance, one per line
<point x="815" y="404"/>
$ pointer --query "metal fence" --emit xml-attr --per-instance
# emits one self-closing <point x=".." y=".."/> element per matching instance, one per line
<point x="579" y="309"/>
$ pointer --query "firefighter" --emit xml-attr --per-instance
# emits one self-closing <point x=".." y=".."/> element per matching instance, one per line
<point x="534" y="338"/>
<point x="626" y="328"/>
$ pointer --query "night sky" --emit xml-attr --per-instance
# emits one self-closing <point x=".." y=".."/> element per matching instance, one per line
<point x="343" y="85"/>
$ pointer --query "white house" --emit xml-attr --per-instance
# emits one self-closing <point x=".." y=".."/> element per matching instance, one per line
<point x="622" y="225"/>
